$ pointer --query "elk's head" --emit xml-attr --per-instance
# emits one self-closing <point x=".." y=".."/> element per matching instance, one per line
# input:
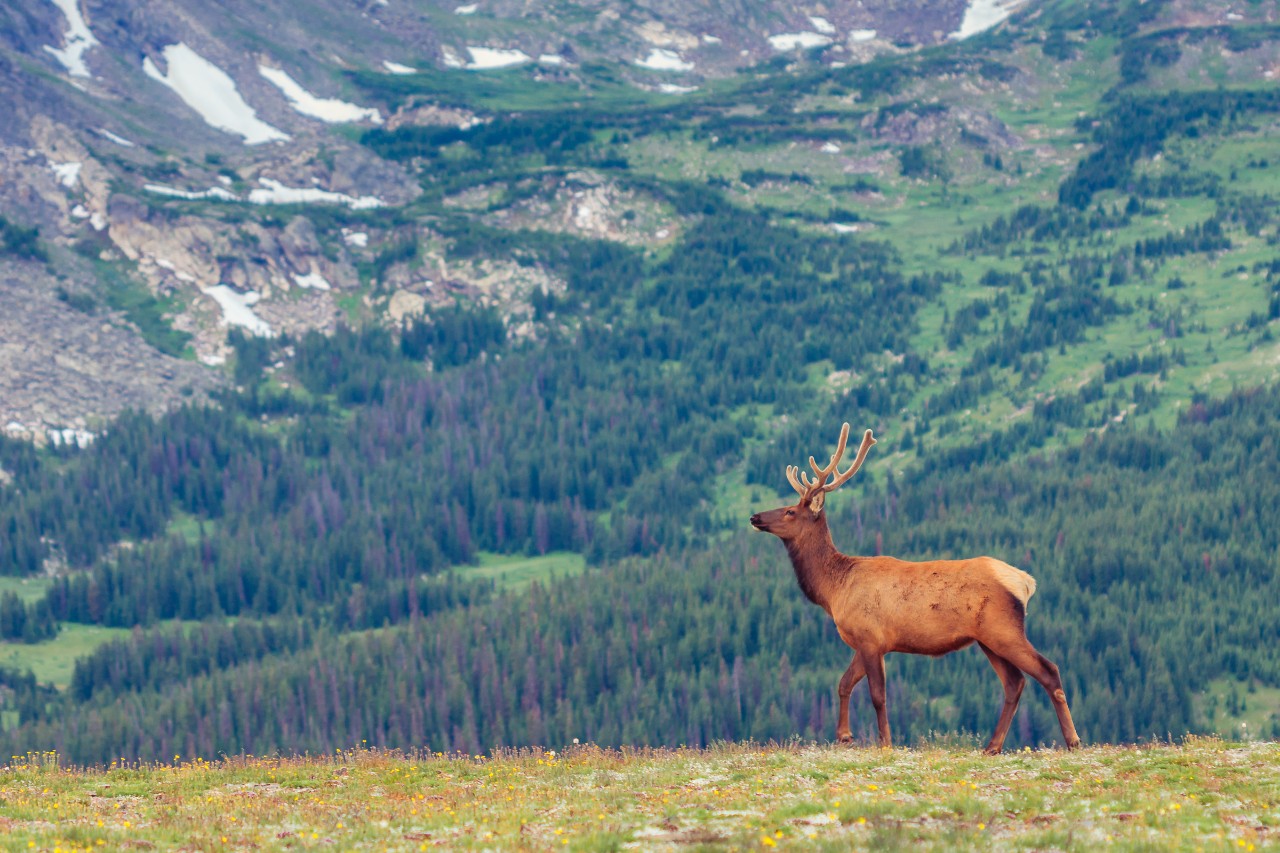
<point x="792" y="522"/>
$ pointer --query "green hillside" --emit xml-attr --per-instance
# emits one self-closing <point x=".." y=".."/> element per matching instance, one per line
<point x="1040" y="264"/>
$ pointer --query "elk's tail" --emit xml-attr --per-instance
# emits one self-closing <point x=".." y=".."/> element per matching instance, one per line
<point x="1020" y="584"/>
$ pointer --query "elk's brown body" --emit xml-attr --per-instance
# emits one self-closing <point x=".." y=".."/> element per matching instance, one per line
<point x="882" y="604"/>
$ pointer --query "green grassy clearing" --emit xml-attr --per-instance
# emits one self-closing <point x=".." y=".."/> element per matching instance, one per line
<point x="53" y="661"/>
<point x="513" y="571"/>
<point x="189" y="528"/>
<point x="1236" y="710"/>
<point x="1206" y="794"/>
<point x="527" y="87"/>
<point x="28" y="589"/>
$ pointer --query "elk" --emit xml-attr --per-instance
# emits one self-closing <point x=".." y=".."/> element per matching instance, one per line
<point x="882" y="604"/>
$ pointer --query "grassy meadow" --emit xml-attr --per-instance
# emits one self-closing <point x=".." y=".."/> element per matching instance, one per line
<point x="1206" y="794"/>
<point x="53" y="661"/>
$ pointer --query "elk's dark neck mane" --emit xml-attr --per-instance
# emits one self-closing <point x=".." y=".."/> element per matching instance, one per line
<point x="817" y="563"/>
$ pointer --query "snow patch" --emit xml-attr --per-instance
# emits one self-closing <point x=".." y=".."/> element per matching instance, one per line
<point x="982" y="15"/>
<point x="326" y="109"/>
<point x="550" y="59"/>
<point x="708" y="39"/>
<point x="212" y="93"/>
<point x="585" y="215"/>
<point x="69" y="437"/>
<point x="397" y="68"/>
<point x="57" y="436"/>
<point x="68" y="173"/>
<point x="236" y="310"/>
<point x="80" y="212"/>
<point x="359" y="239"/>
<point x="272" y="192"/>
<point x="451" y="59"/>
<point x="118" y="140"/>
<point x="794" y="41"/>
<point x="830" y="148"/>
<point x="493" y="57"/>
<point x="166" y="264"/>
<point x="77" y="38"/>
<point x="216" y="192"/>
<point x="821" y="24"/>
<point x="673" y="89"/>
<point x="312" y="280"/>
<point x="469" y="9"/>
<point x="844" y="228"/>
<point x="275" y="192"/>
<point x="862" y="35"/>
<point x="98" y="221"/>
<point x="661" y="59"/>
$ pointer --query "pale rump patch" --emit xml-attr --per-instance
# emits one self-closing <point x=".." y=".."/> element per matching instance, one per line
<point x="1018" y="582"/>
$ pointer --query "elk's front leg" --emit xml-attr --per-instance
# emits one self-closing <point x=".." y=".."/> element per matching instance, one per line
<point x="850" y="680"/>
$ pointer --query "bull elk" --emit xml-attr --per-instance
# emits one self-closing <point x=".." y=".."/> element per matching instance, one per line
<point x="882" y="604"/>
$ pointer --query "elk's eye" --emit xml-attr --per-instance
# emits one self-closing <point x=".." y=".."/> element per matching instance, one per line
<point x="790" y="513"/>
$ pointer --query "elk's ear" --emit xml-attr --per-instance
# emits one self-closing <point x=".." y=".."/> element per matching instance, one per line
<point x="816" y="502"/>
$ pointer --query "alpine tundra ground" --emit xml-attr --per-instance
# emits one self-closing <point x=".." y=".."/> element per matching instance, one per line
<point x="1205" y="794"/>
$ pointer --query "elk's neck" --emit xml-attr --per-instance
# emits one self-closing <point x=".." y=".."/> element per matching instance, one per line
<point x="819" y="567"/>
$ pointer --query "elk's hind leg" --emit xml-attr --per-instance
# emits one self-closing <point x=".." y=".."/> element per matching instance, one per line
<point x="874" y="665"/>
<point x="1012" y="680"/>
<point x="1023" y="655"/>
<point x="850" y="680"/>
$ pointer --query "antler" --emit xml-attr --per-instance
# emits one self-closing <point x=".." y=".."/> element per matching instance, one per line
<point x="808" y="488"/>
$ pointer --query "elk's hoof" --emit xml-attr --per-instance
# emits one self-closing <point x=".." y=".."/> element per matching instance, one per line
<point x="993" y="750"/>
<point x="1075" y="744"/>
<point x="845" y="738"/>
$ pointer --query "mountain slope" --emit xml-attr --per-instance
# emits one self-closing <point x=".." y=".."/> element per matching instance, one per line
<point x="600" y="319"/>
<point x="115" y="109"/>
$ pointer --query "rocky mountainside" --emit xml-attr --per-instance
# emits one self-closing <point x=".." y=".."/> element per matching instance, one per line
<point x="166" y="154"/>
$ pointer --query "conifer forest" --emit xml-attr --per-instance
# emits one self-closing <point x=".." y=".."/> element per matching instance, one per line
<point x="471" y="529"/>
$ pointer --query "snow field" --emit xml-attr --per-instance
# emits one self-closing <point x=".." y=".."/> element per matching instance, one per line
<point x="212" y="93"/>
<point x="326" y="109"/>
<point x="483" y="58"/>
<point x="272" y="192"/>
<point x="661" y="59"/>
<point x="118" y="140"/>
<point x="312" y="280"/>
<point x="77" y="38"/>
<point x="982" y="15"/>
<point x="793" y="41"/>
<point x="236" y="310"/>
<point x="67" y="173"/>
